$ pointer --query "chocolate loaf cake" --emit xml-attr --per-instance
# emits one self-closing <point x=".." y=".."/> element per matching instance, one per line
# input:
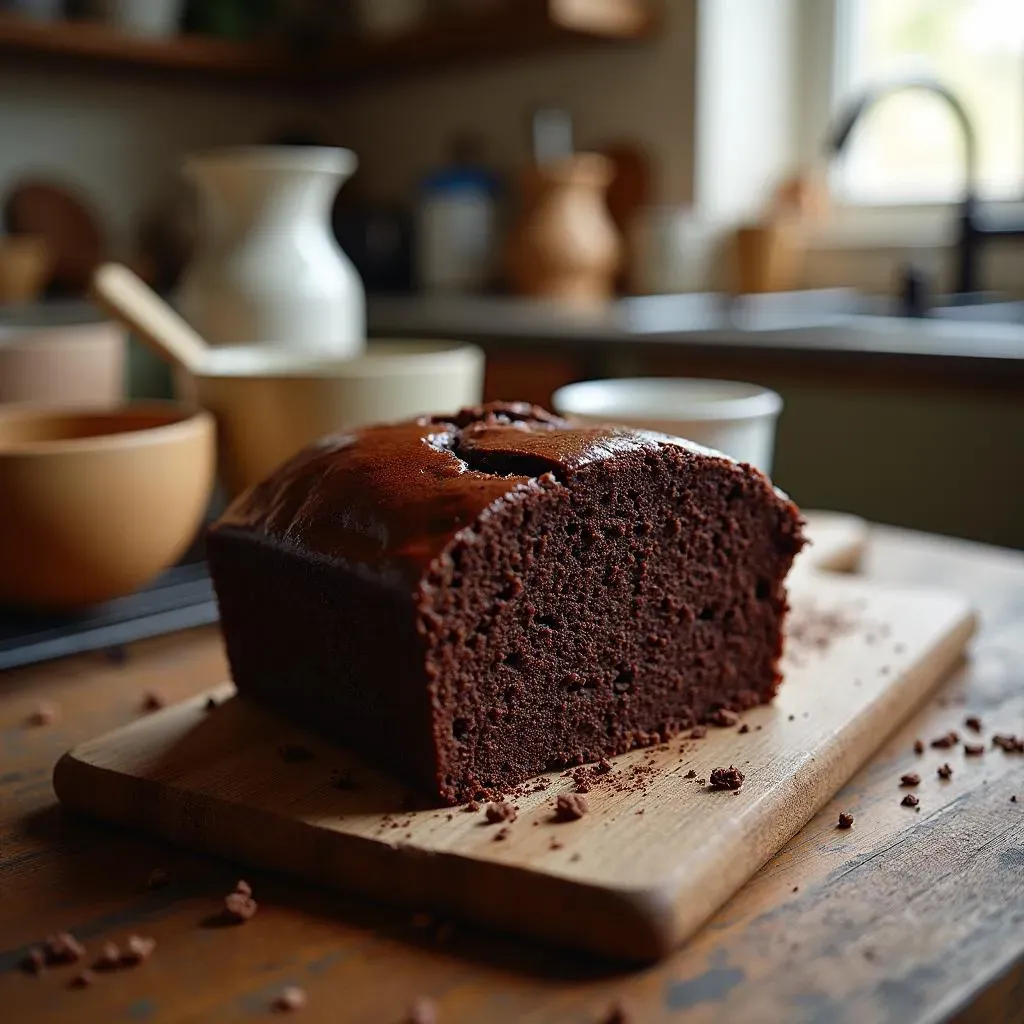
<point x="471" y="600"/>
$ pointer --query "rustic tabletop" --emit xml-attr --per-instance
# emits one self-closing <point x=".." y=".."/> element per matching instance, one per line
<point x="907" y="917"/>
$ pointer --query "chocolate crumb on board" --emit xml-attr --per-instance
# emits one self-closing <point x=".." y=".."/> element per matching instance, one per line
<point x="1013" y="799"/>
<point x="973" y="722"/>
<point x="743" y="729"/>
<point x="34" y="961"/>
<point x="63" y="948"/>
<point x="944" y="771"/>
<point x="503" y="833"/>
<point x="137" y="948"/>
<point x="570" y="807"/>
<point x="292" y="753"/>
<point x="796" y="888"/>
<point x="472" y="807"/>
<point x="910" y="779"/>
<point x="83" y="979"/>
<point x="153" y="700"/>
<point x="422" y="1011"/>
<point x="617" y="1014"/>
<point x="211" y="704"/>
<point x="604" y="766"/>
<point x="845" y="820"/>
<point x="1008" y="743"/>
<point x="691" y="774"/>
<point x="290" y="998"/>
<point x="109" y="958"/>
<point x="726" y="778"/>
<point x="910" y="800"/>
<point x="974" y="749"/>
<point x="239" y="907"/>
<point x="158" y="878"/>
<point x="792" y="718"/>
<point x="46" y="712"/>
<point x="918" y="747"/>
<point x="724" y="718"/>
<point x="499" y="812"/>
<point x="945" y="742"/>
<point x="698" y="732"/>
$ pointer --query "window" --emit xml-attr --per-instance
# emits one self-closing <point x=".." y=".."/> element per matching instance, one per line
<point x="909" y="148"/>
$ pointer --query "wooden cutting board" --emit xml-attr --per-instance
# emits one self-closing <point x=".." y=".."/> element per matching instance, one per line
<point x="657" y="853"/>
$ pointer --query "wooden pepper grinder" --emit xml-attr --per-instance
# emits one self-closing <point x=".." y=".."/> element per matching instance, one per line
<point x="565" y="247"/>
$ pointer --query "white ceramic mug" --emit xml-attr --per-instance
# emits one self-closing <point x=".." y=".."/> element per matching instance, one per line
<point x="735" y="418"/>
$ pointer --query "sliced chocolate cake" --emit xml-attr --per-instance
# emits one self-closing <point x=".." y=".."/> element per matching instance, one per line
<point x="470" y="600"/>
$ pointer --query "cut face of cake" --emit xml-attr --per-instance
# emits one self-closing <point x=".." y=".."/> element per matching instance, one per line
<point x="471" y="600"/>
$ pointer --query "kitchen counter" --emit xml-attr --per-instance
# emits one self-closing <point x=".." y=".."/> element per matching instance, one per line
<point x="831" y="327"/>
<point x="905" y="917"/>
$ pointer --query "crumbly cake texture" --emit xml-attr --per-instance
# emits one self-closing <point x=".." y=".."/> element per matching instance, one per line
<point x="470" y="600"/>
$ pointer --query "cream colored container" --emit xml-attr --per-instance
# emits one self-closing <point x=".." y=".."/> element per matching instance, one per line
<point x="270" y="403"/>
<point x="732" y="417"/>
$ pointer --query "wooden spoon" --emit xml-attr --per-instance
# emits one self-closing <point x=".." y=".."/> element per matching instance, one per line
<point x="127" y="298"/>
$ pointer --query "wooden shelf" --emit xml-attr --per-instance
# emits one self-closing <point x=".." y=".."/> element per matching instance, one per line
<point x="512" y="27"/>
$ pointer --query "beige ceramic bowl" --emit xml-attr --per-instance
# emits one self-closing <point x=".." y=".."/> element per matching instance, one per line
<point x="96" y="503"/>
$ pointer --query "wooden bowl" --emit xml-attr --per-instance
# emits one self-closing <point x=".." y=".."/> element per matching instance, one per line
<point x="25" y="266"/>
<point x="97" y="502"/>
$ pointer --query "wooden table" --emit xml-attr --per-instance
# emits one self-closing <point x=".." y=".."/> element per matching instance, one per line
<point x="906" y="917"/>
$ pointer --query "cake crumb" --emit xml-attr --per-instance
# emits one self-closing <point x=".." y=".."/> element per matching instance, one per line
<point x="499" y="812"/>
<point x="83" y="979"/>
<point x="502" y="834"/>
<point x="239" y="907"/>
<point x="154" y="700"/>
<point x="34" y="961"/>
<point x="918" y="747"/>
<point x="910" y="779"/>
<point x="63" y="948"/>
<point x="1013" y="799"/>
<point x="211" y="704"/>
<point x="472" y="807"/>
<point x="691" y="774"/>
<point x="944" y="771"/>
<point x="570" y="807"/>
<point x="604" y="766"/>
<point x="724" y="718"/>
<point x="910" y="800"/>
<point x="950" y="739"/>
<point x="137" y="949"/>
<point x="46" y="712"/>
<point x="1008" y="743"/>
<point x="973" y="722"/>
<point x="743" y="729"/>
<point x="422" y="1011"/>
<point x="290" y="998"/>
<point x="726" y="778"/>
<point x="109" y="958"/>
<point x="974" y="749"/>
<point x="617" y="1014"/>
<point x="845" y="820"/>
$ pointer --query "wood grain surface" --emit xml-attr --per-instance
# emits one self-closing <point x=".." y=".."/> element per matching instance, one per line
<point x="905" y="917"/>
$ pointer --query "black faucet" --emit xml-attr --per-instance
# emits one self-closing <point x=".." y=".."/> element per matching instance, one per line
<point x="973" y="225"/>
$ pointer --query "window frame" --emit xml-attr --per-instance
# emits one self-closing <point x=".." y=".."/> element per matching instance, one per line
<point x="854" y="224"/>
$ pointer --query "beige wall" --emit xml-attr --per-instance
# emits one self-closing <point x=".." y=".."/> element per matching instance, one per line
<point x="119" y="138"/>
<point x="643" y="93"/>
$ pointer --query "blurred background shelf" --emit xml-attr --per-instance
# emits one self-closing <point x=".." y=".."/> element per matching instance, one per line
<point x="503" y="29"/>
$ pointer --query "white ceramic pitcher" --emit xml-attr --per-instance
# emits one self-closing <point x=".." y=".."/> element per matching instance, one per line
<point x="269" y="269"/>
